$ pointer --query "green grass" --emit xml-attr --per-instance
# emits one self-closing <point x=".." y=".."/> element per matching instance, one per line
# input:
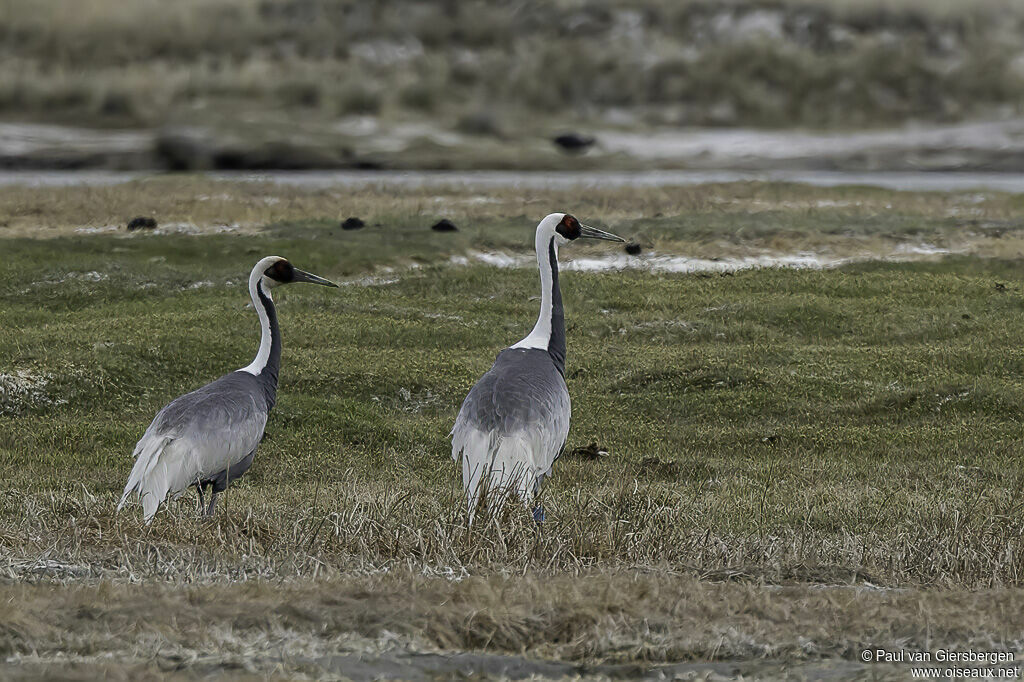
<point x="778" y="439"/>
<point x="862" y="420"/>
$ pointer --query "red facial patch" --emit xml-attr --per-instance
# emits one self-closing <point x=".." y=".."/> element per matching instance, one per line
<point x="569" y="227"/>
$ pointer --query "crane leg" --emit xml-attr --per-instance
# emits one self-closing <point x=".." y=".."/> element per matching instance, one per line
<point x="202" y="502"/>
<point x="538" y="508"/>
<point x="213" y="503"/>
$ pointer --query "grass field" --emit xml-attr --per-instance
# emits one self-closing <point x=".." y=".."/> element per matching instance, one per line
<point x="819" y="433"/>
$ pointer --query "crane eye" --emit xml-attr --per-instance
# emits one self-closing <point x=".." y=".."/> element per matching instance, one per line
<point x="281" y="271"/>
<point x="569" y="227"/>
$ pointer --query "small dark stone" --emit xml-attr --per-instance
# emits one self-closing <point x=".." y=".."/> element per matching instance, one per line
<point x="574" y="142"/>
<point x="633" y="249"/>
<point x="353" y="224"/>
<point x="141" y="223"/>
<point x="592" y="451"/>
<point x="1000" y="286"/>
<point x="444" y="225"/>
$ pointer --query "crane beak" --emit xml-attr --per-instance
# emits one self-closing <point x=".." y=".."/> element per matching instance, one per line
<point x="588" y="232"/>
<point x="301" y="276"/>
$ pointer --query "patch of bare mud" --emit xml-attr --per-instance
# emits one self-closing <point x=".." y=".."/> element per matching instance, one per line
<point x="910" y="180"/>
<point x="729" y="144"/>
<point x="369" y="143"/>
<point x="28" y="138"/>
<point x="923" y="181"/>
<point x="665" y="263"/>
<point x="993" y="145"/>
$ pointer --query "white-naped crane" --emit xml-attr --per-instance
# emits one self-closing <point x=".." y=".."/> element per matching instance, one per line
<point x="208" y="438"/>
<point x="515" y="420"/>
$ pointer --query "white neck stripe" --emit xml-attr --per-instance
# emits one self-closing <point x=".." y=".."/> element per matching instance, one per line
<point x="540" y="337"/>
<point x="263" y="356"/>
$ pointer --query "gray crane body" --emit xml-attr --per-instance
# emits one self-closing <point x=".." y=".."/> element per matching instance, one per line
<point x="514" y="422"/>
<point x="209" y="437"/>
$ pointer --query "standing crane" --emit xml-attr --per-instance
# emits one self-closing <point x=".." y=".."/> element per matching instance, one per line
<point x="514" y="422"/>
<point x="207" y="438"/>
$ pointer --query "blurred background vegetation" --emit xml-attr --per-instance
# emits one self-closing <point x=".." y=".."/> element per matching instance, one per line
<point x="448" y="70"/>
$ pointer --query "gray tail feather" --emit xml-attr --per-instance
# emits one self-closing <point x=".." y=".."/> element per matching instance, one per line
<point x="147" y="451"/>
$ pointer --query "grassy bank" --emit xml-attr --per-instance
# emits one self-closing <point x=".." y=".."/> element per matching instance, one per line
<point x="494" y="70"/>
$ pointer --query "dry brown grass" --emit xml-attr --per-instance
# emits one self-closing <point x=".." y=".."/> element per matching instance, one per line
<point x="330" y="531"/>
<point x="607" y="617"/>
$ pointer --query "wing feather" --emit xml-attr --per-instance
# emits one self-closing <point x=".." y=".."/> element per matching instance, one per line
<point x="194" y="437"/>
<point x="512" y="426"/>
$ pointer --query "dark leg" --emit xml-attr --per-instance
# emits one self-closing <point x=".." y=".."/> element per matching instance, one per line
<point x="202" y="503"/>
<point x="219" y="483"/>
<point x="538" y="509"/>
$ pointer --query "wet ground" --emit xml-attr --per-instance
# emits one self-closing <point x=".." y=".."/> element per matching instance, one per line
<point x="978" y="146"/>
<point x="485" y="180"/>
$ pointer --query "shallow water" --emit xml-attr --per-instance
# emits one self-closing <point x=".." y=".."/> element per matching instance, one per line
<point x="483" y="180"/>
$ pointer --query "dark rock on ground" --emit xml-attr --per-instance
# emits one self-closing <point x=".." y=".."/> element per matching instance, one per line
<point x="444" y="225"/>
<point x="574" y="142"/>
<point x="141" y="223"/>
<point x="633" y="249"/>
<point x="353" y="224"/>
<point x="591" y="451"/>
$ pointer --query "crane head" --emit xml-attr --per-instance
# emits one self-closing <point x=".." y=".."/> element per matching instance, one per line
<point x="567" y="228"/>
<point x="275" y="271"/>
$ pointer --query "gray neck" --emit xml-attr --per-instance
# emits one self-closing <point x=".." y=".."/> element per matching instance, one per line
<point x="267" y="363"/>
<point x="556" y="343"/>
<point x="549" y="332"/>
<point x="268" y="376"/>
